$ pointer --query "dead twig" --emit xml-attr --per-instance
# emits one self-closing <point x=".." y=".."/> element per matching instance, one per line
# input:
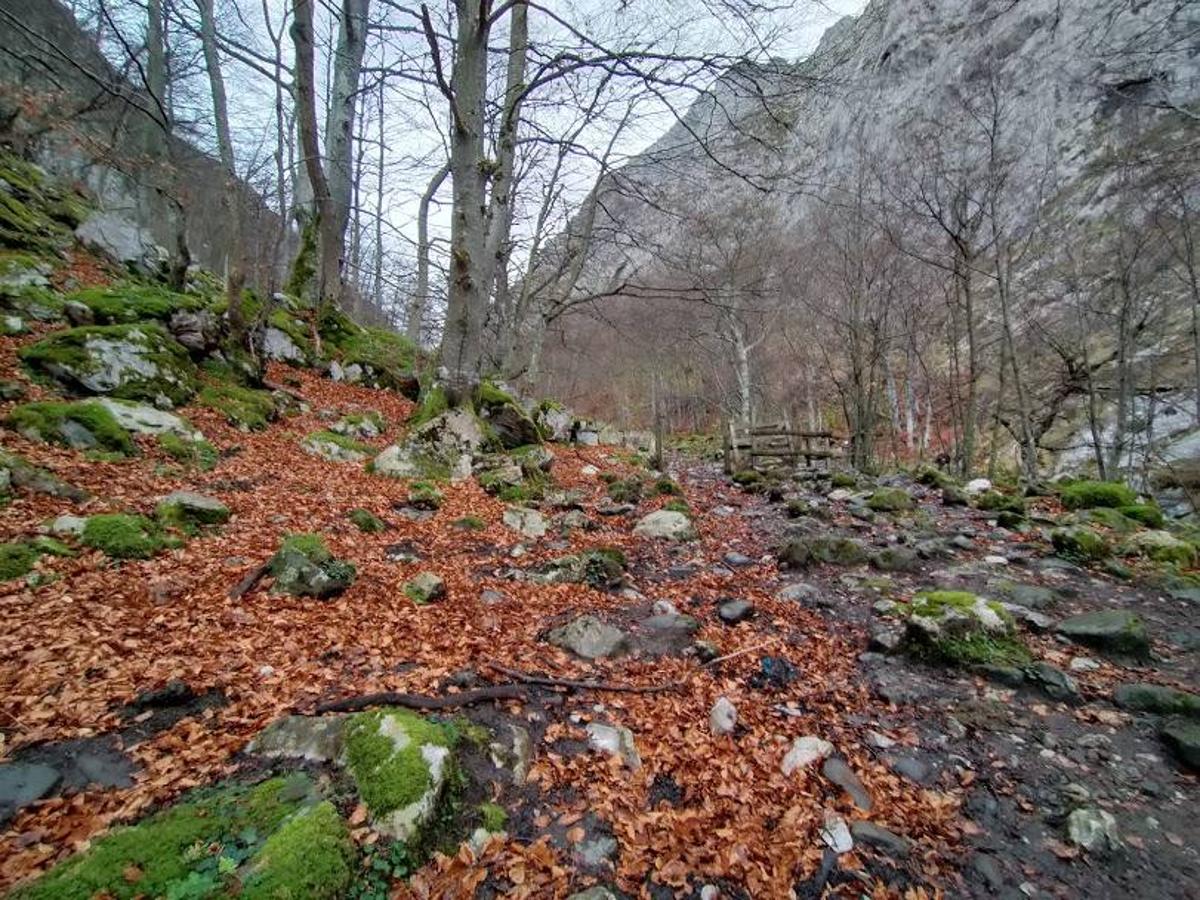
<point x="742" y="652"/>
<point x="253" y="577"/>
<point x="573" y="685"/>
<point x="420" y="701"/>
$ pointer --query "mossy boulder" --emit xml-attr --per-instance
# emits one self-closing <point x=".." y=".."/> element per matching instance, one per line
<point x="1182" y="736"/>
<point x="1079" y="543"/>
<point x="890" y="500"/>
<point x="263" y="842"/>
<point x="625" y="490"/>
<point x="304" y="567"/>
<point x="800" y="553"/>
<point x="244" y="408"/>
<point x="1148" y="514"/>
<point x="401" y="764"/>
<point x="602" y="568"/>
<point x="1108" y="517"/>
<point x="373" y="356"/>
<point x="17" y="559"/>
<point x="123" y="536"/>
<point x="425" y="587"/>
<point x="189" y="509"/>
<point x="1116" y="631"/>
<point x="128" y="303"/>
<point x="425" y="495"/>
<point x="134" y="362"/>
<point x="35" y="213"/>
<point x="17" y="472"/>
<point x="1164" y="547"/>
<point x="1155" y="698"/>
<point x="1091" y="494"/>
<point x="747" y="477"/>
<point x="336" y="447"/>
<point x="994" y="501"/>
<point x="443" y="447"/>
<point x="666" y="524"/>
<point x="85" y="425"/>
<point x="195" y="452"/>
<point x="507" y="421"/>
<point x="360" y="426"/>
<point x="962" y="628"/>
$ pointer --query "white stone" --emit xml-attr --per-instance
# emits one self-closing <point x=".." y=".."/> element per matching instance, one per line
<point x="664" y="608"/>
<point x="666" y="524"/>
<point x="615" y="741"/>
<point x="68" y="525"/>
<point x="278" y="345"/>
<point x="141" y="418"/>
<point x="840" y="494"/>
<point x="835" y="834"/>
<point x="723" y="718"/>
<point x="528" y="522"/>
<point x="589" y="471"/>
<point x="977" y="486"/>
<point x="996" y="560"/>
<point x="805" y="751"/>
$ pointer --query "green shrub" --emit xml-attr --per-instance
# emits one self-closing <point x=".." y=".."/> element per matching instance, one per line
<point x="122" y="536"/>
<point x="366" y="521"/>
<point x="46" y="422"/>
<point x="1090" y="494"/>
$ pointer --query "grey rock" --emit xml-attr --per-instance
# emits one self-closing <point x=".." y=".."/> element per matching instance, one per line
<point x="1182" y="736"/>
<point x="598" y="892"/>
<point x="836" y="770"/>
<point x="78" y="313"/>
<point x="278" y="345"/>
<point x="896" y="559"/>
<point x="1116" y="631"/>
<point x="24" y="783"/>
<point x="425" y="587"/>
<point x="314" y="738"/>
<point x="527" y="522"/>
<point x="331" y="450"/>
<point x="72" y="525"/>
<point x="880" y="838"/>
<point x="912" y="768"/>
<point x="590" y="638"/>
<point x="666" y="524"/>
<point x="142" y="418"/>
<point x="808" y="594"/>
<point x="193" y="508"/>
<point x="885" y="640"/>
<point x="1054" y="682"/>
<point x="733" y="611"/>
<point x="737" y="560"/>
<point x="615" y="741"/>
<point x="1093" y="829"/>
<point x="123" y="240"/>
<point x="197" y="330"/>
<point x="1156" y="698"/>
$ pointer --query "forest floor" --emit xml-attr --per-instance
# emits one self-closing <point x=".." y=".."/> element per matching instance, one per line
<point x="973" y="779"/>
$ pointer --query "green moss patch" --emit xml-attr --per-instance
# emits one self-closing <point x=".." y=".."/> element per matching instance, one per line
<point x="122" y="536"/>
<point x="1144" y="513"/>
<point x="198" y="454"/>
<point x="383" y="754"/>
<point x="128" y="303"/>
<point x="492" y="817"/>
<point x="304" y="567"/>
<point x="626" y="490"/>
<point x="1090" y="494"/>
<point x="366" y="521"/>
<point x="890" y="500"/>
<point x="244" y="408"/>
<point x="16" y="559"/>
<point x="131" y="362"/>
<point x="470" y="523"/>
<point x="1079" y="544"/>
<point x="223" y="842"/>
<point x="86" y="425"/>
<point x="432" y="404"/>
<point x="425" y="495"/>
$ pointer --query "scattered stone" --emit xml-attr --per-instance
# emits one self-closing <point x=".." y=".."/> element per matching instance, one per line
<point x="24" y="783"/>
<point x="801" y="553"/>
<point x="666" y="524"/>
<point x="425" y="587"/>
<point x="896" y="559"/>
<point x="733" y="611"/>
<point x="723" y="717"/>
<point x="881" y="839"/>
<point x="774" y="672"/>
<point x="1183" y="737"/>
<point x="528" y="522"/>
<point x="315" y="738"/>
<point x="836" y="770"/>
<point x="835" y="834"/>
<point x="1084" y="664"/>
<point x="737" y="560"/>
<point x="141" y="418"/>
<point x="615" y="741"/>
<point x="1155" y="698"/>
<point x="599" y="892"/>
<point x="1092" y="829"/>
<point x="1054" y="682"/>
<point x="590" y="638"/>
<point x="805" y="751"/>
<point x="800" y="593"/>
<point x="304" y="567"/>
<point x="1115" y="631"/>
<point x="977" y="486"/>
<point x="190" y="508"/>
<point x="72" y="525"/>
<point x="885" y="640"/>
<point x="913" y="769"/>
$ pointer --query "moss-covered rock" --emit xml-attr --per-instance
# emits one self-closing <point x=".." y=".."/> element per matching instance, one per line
<point x="128" y="303"/>
<point x="1148" y="514"/>
<point x="1116" y="631"/>
<point x="425" y="495"/>
<point x="336" y="447"/>
<point x="602" y="568"/>
<point x="135" y="362"/>
<point x="199" y="454"/>
<point x="1164" y="547"/>
<point x="86" y="425"/>
<point x="16" y="559"/>
<point x="122" y="536"/>
<point x="187" y="509"/>
<point x="1080" y="544"/>
<point x="425" y="587"/>
<point x="800" y="553"/>
<point x="890" y="500"/>
<point x="400" y="763"/>
<point x="994" y="501"/>
<point x="360" y="426"/>
<point x="961" y="628"/>
<point x="626" y="490"/>
<point x="377" y="356"/>
<point x="265" y="842"/>
<point x="366" y="521"/>
<point x="507" y="421"/>
<point x="17" y="472"/>
<point x="1090" y="494"/>
<point x="1109" y="517"/>
<point x="245" y="408"/>
<point x="304" y="567"/>
<point x="1156" y="698"/>
<point x="35" y="213"/>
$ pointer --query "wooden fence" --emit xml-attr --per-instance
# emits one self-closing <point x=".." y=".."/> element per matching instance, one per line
<point x="763" y="446"/>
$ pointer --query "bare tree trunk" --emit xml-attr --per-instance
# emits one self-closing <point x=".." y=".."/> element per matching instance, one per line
<point x="419" y="305"/>
<point x="235" y="273"/>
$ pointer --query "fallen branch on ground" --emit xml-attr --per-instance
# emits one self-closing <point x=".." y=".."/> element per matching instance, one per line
<point x="420" y="701"/>
<point x="742" y="652"/>
<point x="573" y="685"/>
<point x="253" y="577"/>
